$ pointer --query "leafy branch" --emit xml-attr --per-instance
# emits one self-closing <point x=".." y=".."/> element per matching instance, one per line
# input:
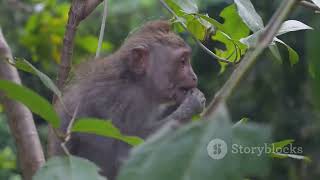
<point x="195" y="39"/>
<point x="250" y="58"/>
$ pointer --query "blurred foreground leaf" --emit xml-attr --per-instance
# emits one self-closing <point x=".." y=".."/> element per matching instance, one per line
<point x="103" y="128"/>
<point x="184" y="154"/>
<point x="32" y="100"/>
<point x="68" y="168"/>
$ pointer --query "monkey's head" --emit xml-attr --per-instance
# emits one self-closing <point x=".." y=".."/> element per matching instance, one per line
<point x="161" y="61"/>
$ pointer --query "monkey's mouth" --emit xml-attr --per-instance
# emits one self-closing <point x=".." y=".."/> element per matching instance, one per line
<point x="180" y="94"/>
<point x="184" y="90"/>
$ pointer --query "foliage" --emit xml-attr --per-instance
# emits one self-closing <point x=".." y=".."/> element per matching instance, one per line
<point x="233" y="32"/>
<point x="103" y="128"/>
<point x="71" y="168"/>
<point x="187" y="148"/>
<point x="32" y="100"/>
<point x="44" y="31"/>
<point x="278" y="96"/>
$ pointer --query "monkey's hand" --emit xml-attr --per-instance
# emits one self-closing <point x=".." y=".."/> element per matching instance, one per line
<point x="193" y="104"/>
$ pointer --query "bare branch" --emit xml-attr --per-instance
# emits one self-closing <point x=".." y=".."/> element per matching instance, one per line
<point x="20" y="119"/>
<point x="79" y="10"/>
<point x="251" y="56"/>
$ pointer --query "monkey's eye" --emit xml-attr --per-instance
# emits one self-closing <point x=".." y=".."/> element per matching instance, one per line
<point x="183" y="61"/>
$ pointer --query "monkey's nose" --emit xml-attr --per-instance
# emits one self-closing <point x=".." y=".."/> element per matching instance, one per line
<point x="195" y="78"/>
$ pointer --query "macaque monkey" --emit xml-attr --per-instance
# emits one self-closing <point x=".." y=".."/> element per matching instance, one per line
<point x="147" y="82"/>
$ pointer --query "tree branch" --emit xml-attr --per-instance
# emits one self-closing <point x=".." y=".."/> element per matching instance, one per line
<point x="251" y="56"/>
<point x="79" y="10"/>
<point x="20" y="119"/>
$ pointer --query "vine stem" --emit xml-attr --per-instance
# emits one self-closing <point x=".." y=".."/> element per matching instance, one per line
<point x="251" y="56"/>
<point x="103" y="25"/>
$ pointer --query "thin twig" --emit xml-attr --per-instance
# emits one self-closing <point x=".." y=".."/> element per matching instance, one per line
<point x="68" y="131"/>
<point x="309" y="5"/>
<point x="251" y="56"/>
<point x="195" y="39"/>
<point x="103" y="24"/>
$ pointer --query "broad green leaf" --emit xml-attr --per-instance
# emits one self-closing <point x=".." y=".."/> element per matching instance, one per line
<point x="188" y="6"/>
<point x="232" y="30"/>
<point x="275" y="52"/>
<point x="293" y="55"/>
<point x="32" y="100"/>
<point x="282" y="144"/>
<point x="180" y="7"/>
<point x="212" y="21"/>
<point x="317" y="2"/>
<point x="233" y="26"/>
<point x="293" y="156"/>
<point x="249" y="15"/>
<point x="175" y="7"/>
<point x="292" y="25"/>
<point x="196" y="28"/>
<point x="103" y="128"/>
<point x="68" y="168"/>
<point x="24" y="65"/>
<point x="184" y="153"/>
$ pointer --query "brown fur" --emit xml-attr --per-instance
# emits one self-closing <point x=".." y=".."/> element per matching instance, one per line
<point x="108" y="88"/>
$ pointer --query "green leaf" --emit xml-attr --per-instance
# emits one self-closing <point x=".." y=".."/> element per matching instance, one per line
<point x="24" y="65"/>
<point x="32" y="100"/>
<point x="233" y="25"/>
<point x="212" y="21"/>
<point x="282" y="144"/>
<point x="196" y="28"/>
<point x="103" y="128"/>
<point x="293" y="156"/>
<point x="70" y="168"/>
<point x="184" y="153"/>
<point x="249" y="15"/>
<point x="242" y="121"/>
<point x="188" y="6"/>
<point x="317" y="2"/>
<point x="180" y="7"/>
<point x="293" y="55"/>
<point x="275" y="52"/>
<point x="292" y="25"/>
<point x="233" y="29"/>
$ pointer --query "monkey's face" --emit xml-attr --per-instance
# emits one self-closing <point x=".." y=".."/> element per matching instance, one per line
<point x="170" y="72"/>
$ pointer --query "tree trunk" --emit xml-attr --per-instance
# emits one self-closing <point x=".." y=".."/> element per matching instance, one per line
<point x="20" y="119"/>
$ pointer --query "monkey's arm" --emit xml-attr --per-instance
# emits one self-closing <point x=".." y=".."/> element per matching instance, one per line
<point x="193" y="104"/>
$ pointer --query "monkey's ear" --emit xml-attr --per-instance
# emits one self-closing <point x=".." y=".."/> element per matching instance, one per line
<point x="139" y="59"/>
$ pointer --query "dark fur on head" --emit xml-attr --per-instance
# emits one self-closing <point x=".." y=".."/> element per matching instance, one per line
<point x="115" y="66"/>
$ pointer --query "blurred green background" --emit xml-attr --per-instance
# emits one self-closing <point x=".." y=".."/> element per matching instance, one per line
<point x="284" y="96"/>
